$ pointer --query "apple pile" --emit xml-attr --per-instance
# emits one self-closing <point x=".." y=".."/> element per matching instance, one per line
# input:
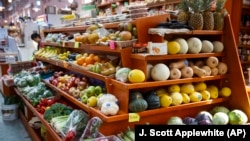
<point x="90" y="95"/>
<point x="69" y="83"/>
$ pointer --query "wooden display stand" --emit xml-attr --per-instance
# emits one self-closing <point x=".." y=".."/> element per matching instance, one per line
<point x="117" y="123"/>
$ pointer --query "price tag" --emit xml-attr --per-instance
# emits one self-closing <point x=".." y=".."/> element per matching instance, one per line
<point x="63" y="44"/>
<point x="111" y="44"/>
<point x="133" y="117"/>
<point x="76" y="45"/>
<point x="65" y="64"/>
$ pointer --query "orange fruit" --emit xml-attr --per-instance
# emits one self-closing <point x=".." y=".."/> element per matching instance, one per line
<point x="97" y="58"/>
<point x="80" y="60"/>
<point x="91" y="55"/>
<point x="89" y="60"/>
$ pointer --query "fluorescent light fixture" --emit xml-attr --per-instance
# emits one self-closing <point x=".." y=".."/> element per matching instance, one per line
<point x="70" y="1"/>
<point x="38" y="2"/>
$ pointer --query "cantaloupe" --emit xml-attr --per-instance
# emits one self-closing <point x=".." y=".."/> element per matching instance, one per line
<point x="160" y="72"/>
<point x="218" y="46"/>
<point x="207" y="46"/>
<point x="194" y="45"/>
<point x="183" y="45"/>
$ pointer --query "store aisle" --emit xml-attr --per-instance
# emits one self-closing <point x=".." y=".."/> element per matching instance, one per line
<point x="12" y="130"/>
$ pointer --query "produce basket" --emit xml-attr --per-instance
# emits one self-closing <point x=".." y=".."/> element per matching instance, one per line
<point x="123" y="44"/>
<point x="9" y="82"/>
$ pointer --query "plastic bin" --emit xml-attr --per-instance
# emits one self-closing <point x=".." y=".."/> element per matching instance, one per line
<point x="9" y="112"/>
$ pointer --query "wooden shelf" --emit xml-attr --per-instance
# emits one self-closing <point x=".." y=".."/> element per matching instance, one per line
<point x="148" y="57"/>
<point x="246" y="7"/>
<point x="49" y="129"/>
<point x="244" y="46"/>
<point x="71" y="67"/>
<point x="67" y="96"/>
<point x="191" y="32"/>
<point x="245" y="28"/>
<point x="85" y="47"/>
<point x="108" y="3"/>
<point x="78" y="28"/>
<point x="116" y="83"/>
<point x="245" y="62"/>
<point x="29" y="129"/>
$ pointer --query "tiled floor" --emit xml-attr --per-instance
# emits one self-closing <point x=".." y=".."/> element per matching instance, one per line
<point x="12" y="130"/>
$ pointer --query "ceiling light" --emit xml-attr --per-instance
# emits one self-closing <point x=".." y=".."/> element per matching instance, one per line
<point x="10" y="1"/>
<point x="70" y="1"/>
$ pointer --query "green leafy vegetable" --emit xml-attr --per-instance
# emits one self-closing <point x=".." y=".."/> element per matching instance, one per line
<point x="55" y="110"/>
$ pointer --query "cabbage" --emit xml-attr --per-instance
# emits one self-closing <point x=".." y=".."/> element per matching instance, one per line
<point x="220" y="118"/>
<point x="175" y="120"/>
<point x="122" y="74"/>
<point x="237" y="117"/>
<point x="219" y="109"/>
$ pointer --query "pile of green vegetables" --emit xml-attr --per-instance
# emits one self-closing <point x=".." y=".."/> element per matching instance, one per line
<point x="31" y="86"/>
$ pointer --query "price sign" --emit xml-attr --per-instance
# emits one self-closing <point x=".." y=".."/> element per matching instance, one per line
<point x="76" y="45"/>
<point x="65" y="64"/>
<point x="63" y="44"/>
<point x="133" y="117"/>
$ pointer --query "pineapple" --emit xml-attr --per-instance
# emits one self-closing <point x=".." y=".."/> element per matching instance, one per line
<point x="196" y="18"/>
<point x="207" y="14"/>
<point x="219" y="15"/>
<point x="184" y="11"/>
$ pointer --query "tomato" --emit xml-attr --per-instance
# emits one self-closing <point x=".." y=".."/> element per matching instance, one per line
<point x="50" y="102"/>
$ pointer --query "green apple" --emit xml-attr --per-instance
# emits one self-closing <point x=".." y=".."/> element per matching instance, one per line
<point x="98" y="90"/>
<point x="91" y="89"/>
<point x="84" y="98"/>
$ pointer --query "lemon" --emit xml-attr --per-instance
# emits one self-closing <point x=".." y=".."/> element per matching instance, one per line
<point x="185" y="98"/>
<point x="174" y="88"/>
<point x="176" y="98"/>
<point x="136" y="76"/>
<point x="200" y="86"/>
<point x="92" y="101"/>
<point x="195" y="97"/>
<point x="214" y="92"/>
<point x="165" y="101"/>
<point x="205" y="95"/>
<point x="187" y="88"/>
<point x="173" y="47"/>
<point x="225" y="92"/>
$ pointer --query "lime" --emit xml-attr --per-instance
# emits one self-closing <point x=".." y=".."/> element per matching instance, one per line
<point x="136" y="76"/>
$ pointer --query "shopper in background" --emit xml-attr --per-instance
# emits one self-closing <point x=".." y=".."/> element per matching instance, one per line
<point x="37" y="38"/>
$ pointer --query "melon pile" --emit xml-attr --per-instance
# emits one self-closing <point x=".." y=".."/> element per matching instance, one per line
<point x="219" y="115"/>
<point x="193" y="45"/>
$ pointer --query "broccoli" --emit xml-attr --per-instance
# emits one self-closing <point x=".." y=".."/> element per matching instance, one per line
<point x="55" y="110"/>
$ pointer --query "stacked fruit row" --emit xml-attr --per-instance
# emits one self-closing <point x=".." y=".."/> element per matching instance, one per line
<point x="218" y="115"/>
<point x="82" y="89"/>
<point x="174" y="95"/>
